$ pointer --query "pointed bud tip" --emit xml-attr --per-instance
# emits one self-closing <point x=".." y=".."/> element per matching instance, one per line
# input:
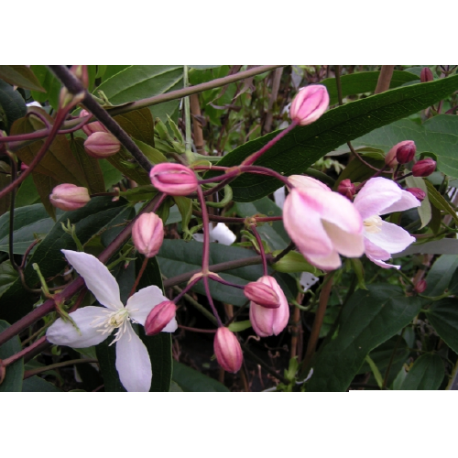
<point x="69" y="197"/>
<point x="173" y="179"/>
<point x="228" y="350"/>
<point x="424" y="168"/>
<point x="101" y="145"/>
<point x="148" y="234"/>
<point x="309" y="104"/>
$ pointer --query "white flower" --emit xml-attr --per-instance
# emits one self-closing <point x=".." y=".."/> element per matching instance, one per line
<point x="97" y="323"/>
<point x="380" y="196"/>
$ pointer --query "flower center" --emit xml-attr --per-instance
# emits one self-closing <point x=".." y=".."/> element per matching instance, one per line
<point x="114" y="320"/>
<point x="373" y="224"/>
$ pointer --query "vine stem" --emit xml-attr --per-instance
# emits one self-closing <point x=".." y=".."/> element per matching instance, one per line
<point x="261" y="249"/>
<point x="139" y="276"/>
<point x="39" y="370"/>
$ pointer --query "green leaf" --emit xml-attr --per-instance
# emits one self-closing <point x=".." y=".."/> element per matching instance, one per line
<point x="440" y="274"/>
<point x="443" y="316"/>
<point x="15" y="371"/>
<point x="30" y="223"/>
<point x="443" y="246"/>
<point x="12" y="106"/>
<point x="361" y="82"/>
<point x="89" y="221"/>
<point x="427" y="373"/>
<point x="368" y="319"/>
<point x="8" y="276"/>
<point x="299" y="149"/>
<point x="44" y="186"/>
<point x="106" y="355"/>
<point x="20" y="75"/>
<point x="37" y="384"/>
<point x="177" y="257"/>
<point x="424" y="211"/>
<point x="137" y="82"/>
<point x="50" y="83"/>
<point x="191" y="380"/>
<point x="439" y="202"/>
<point x="153" y="155"/>
<point x="375" y="371"/>
<point x="138" y="124"/>
<point x="27" y="193"/>
<point x="5" y="180"/>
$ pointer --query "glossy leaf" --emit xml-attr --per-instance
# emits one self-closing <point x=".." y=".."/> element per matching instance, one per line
<point x="443" y="316"/>
<point x="427" y="373"/>
<point x="15" y="371"/>
<point x="138" y="124"/>
<point x="368" y="319"/>
<point x="191" y="380"/>
<point x="20" y="75"/>
<point x="303" y="146"/>
<point x="12" y="106"/>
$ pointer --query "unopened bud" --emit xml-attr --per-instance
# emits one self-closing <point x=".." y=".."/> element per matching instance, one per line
<point x="309" y="104"/>
<point x="346" y="188"/>
<point x="173" y="179"/>
<point x="262" y="294"/>
<point x="418" y="193"/>
<point x="227" y="350"/>
<point x="406" y="150"/>
<point x="426" y="75"/>
<point x="148" y="234"/>
<point x="101" y="145"/>
<point x="424" y="168"/>
<point x="69" y="197"/>
<point x="80" y="71"/>
<point x="159" y="317"/>
<point x="92" y="127"/>
<point x="420" y="286"/>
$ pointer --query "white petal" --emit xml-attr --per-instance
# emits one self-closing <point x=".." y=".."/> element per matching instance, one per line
<point x="382" y="264"/>
<point x="172" y="326"/>
<point x="132" y="362"/>
<point x="97" y="277"/>
<point x="351" y="245"/>
<point x="222" y="234"/>
<point x="391" y="238"/>
<point x="406" y="202"/>
<point x="64" y="333"/>
<point x="374" y="251"/>
<point x="329" y="262"/>
<point x="142" y="302"/>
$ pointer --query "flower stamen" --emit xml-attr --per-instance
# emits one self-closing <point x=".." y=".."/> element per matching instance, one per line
<point x="373" y="224"/>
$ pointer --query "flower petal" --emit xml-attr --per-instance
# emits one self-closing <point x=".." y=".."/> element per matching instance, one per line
<point x="142" y="302"/>
<point x="132" y="362"/>
<point x="374" y="251"/>
<point x="382" y="264"/>
<point x="172" y="326"/>
<point x="376" y="196"/>
<point x="328" y="262"/>
<point x="302" y="181"/>
<point x="406" y="202"/>
<point x="346" y="243"/>
<point x="391" y="238"/>
<point x="97" y="277"/>
<point x="64" y="333"/>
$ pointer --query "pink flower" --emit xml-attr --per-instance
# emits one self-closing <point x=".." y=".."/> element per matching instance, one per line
<point x="69" y="197"/>
<point x="380" y="196"/>
<point x="309" y="104"/>
<point x="160" y="317"/>
<point x="101" y="145"/>
<point x="322" y="223"/>
<point x="227" y="350"/>
<point x="270" y="321"/>
<point x="424" y="168"/>
<point x="401" y="153"/>
<point x="173" y="179"/>
<point x="148" y="234"/>
<point x="262" y="294"/>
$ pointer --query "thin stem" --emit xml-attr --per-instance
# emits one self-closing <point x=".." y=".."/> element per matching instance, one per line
<point x="187" y="113"/>
<point x="205" y="331"/>
<point x="39" y="370"/>
<point x="384" y="79"/>
<point x="24" y="352"/>
<point x="206" y="226"/>
<point x="265" y="171"/>
<point x="261" y="249"/>
<point x="210" y="300"/>
<point x="289" y="248"/>
<point x="230" y="219"/>
<point x="139" y="276"/>
<point x="265" y="366"/>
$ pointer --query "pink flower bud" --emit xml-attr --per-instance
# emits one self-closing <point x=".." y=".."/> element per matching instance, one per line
<point x="92" y="127"/>
<point x="424" y="168"/>
<point x="426" y="75"/>
<point x="159" y="317"/>
<point x="227" y="350"/>
<point x="418" y="193"/>
<point x="270" y="321"/>
<point x="309" y="104"/>
<point x="69" y="197"/>
<point x="173" y="179"/>
<point x="346" y="188"/>
<point x="101" y="145"/>
<point x="420" y="286"/>
<point x="262" y="294"/>
<point x="406" y="147"/>
<point x="148" y="234"/>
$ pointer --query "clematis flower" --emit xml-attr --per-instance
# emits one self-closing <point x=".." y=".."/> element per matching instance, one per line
<point x="322" y="223"/>
<point x="97" y="323"/>
<point x="380" y="196"/>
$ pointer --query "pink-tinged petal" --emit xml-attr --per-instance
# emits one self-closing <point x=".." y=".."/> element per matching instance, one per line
<point x="64" y="333"/>
<point x="142" y="302"/>
<point x="132" y="362"/>
<point x="307" y="182"/>
<point x="374" y="251"/>
<point x="346" y="243"/>
<point x="391" y="238"/>
<point x="382" y="264"/>
<point x="97" y="277"/>
<point x="406" y="202"/>
<point x="329" y="262"/>
<point x="377" y="195"/>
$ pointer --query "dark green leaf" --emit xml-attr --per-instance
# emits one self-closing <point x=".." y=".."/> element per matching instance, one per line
<point x="427" y="373"/>
<point x="299" y="149"/>
<point x="191" y="380"/>
<point x="368" y="319"/>
<point x="138" y="124"/>
<point x="443" y="315"/>
<point x="20" y="75"/>
<point x="15" y="371"/>
<point x="12" y="106"/>
<point x="37" y="384"/>
<point x="5" y="180"/>
<point x="44" y="185"/>
<point x="439" y="201"/>
<point x="440" y="274"/>
<point x="49" y="82"/>
<point x="8" y="276"/>
<point x="27" y="193"/>
<point x="106" y="355"/>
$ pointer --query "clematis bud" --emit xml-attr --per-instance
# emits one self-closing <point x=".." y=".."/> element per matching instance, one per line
<point x="418" y="193"/>
<point x="148" y="234"/>
<point x="346" y="188"/>
<point x="309" y="104"/>
<point x="92" y="127"/>
<point x="173" y="179"/>
<point x="159" y="317"/>
<point x="262" y="294"/>
<point x="426" y="75"/>
<point x="69" y="197"/>
<point x="424" y="168"/>
<point x="227" y="350"/>
<point x="269" y="321"/>
<point x="405" y="149"/>
<point x="420" y="286"/>
<point x="101" y="145"/>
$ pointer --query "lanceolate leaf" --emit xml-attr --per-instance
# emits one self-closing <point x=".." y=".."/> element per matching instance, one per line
<point x="191" y="380"/>
<point x="15" y="371"/>
<point x="443" y="315"/>
<point x="12" y="106"/>
<point x="20" y="75"/>
<point x="305" y="145"/>
<point x="368" y="319"/>
<point x="139" y="124"/>
<point x="427" y="373"/>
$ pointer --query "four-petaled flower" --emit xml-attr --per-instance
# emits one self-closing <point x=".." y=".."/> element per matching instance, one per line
<point x="96" y="323"/>
<point x="380" y="196"/>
